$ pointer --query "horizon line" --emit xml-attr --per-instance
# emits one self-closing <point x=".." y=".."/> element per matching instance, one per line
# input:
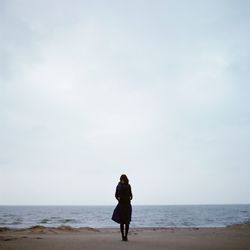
<point x="96" y="205"/>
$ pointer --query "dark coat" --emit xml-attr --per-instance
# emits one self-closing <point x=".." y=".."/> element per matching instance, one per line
<point x="123" y="211"/>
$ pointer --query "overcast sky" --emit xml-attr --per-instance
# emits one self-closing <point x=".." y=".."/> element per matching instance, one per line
<point x="158" y="90"/>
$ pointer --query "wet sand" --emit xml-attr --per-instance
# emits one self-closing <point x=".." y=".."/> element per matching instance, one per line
<point x="67" y="238"/>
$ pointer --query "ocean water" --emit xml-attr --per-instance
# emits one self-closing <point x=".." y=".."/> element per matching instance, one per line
<point x="143" y="216"/>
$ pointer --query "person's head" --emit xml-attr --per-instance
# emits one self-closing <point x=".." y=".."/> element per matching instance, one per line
<point x="124" y="179"/>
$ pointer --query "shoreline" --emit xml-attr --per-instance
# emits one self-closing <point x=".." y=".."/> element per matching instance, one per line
<point x="70" y="228"/>
<point x="39" y="237"/>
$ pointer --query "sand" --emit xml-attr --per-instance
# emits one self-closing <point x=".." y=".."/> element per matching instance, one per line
<point x="67" y="238"/>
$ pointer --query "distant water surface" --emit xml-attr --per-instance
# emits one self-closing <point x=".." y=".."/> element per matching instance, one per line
<point x="143" y="216"/>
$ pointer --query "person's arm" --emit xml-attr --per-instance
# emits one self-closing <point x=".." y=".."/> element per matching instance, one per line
<point x="117" y="195"/>
<point x="131" y="195"/>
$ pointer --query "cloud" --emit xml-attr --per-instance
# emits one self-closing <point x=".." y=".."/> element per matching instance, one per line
<point x="92" y="90"/>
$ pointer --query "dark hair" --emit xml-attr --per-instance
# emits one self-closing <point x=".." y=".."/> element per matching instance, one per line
<point x="124" y="178"/>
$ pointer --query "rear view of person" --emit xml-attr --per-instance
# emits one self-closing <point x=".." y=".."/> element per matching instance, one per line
<point x="123" y="211"/>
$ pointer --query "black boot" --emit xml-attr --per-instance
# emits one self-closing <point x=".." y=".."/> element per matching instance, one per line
<point x="126" y="232"/>
<point x="122" y="231"/>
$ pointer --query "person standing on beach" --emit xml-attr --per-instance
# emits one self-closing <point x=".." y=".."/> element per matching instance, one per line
<point x="123" y="211"/>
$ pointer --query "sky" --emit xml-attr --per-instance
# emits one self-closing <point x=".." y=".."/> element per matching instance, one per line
<point x="158" y="90"/>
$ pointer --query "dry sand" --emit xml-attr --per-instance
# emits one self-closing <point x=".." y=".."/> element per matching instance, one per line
<point x="67" y="238"/>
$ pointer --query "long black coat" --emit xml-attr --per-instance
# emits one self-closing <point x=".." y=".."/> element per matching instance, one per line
<point x="123" y="211"/>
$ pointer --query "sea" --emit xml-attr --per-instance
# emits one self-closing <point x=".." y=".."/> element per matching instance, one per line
<point x="142" y="216"/>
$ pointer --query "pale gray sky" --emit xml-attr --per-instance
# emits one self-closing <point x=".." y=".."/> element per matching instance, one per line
<point x="158" y="90"/>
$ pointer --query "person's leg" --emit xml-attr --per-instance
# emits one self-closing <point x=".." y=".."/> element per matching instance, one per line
<point x="126" y="231"/>
<point x="122" y="231"/>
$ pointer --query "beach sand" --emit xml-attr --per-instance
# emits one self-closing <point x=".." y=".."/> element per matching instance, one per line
<point x="67" y="238"/>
